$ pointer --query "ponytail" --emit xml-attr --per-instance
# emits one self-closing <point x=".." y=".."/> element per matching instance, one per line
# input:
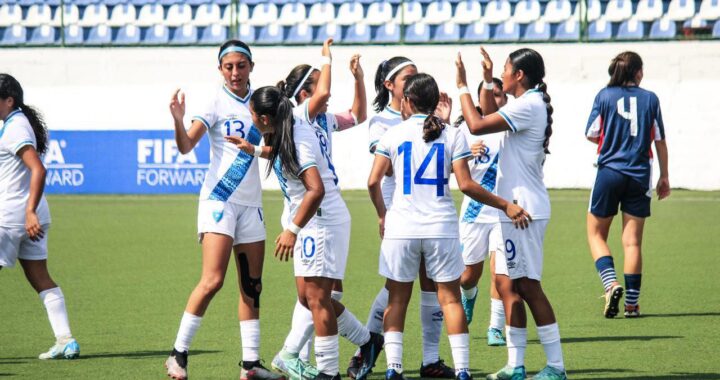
<point x="300" y="78"/>
<point x="533" y="65"/>
<point x="422" y="90"/>
<point x="269" y="101"/>
<point x="383" y="73"/>
<point x="10" y="87"/>
<point x="432" y="128"/>
<point x="548" y="129"/>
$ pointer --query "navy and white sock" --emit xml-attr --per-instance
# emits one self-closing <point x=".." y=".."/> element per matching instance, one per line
<point x="632" y="289"/>
<point x="606" y="269"/>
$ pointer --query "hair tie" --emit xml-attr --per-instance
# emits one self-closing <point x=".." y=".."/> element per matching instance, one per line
<point x="302" y="82"/>
<point x="235" y="49"/>
<point x="398" y="68"/>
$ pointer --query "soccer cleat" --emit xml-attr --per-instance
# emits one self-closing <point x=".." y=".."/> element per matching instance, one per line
<point x="508" y="373"/>
<point x="324" y="376"/>
<point x="437" y="370"/>
<point x="369" y="353"/>
<point x="176" y="365"/>
<point x="468" y="305"/>
<point x="354" y="366"/>
<point x="392" y="375"/>
<point x="612" y="300"/>
<point x="632" y="311"/>
<point x="550" y="373"/>
<point x="495" y="337"/>
<point x="256" y="371"/>
<point x="69" y="350"/>
<point x="463" y="375"/>
<point x="294" y="368"/>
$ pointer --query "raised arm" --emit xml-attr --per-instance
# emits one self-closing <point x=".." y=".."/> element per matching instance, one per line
<point x="478" y="125"/>
<point x="359" y="107"/>
<point x="321" y="95"/>
<point x="487" y="100"/>
<point x="185" y="139"/>
<point x="30" y="158"/>
<point x="663" y="184"/>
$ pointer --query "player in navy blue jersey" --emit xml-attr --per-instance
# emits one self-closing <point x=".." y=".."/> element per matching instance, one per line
<point x="624" y="122"/>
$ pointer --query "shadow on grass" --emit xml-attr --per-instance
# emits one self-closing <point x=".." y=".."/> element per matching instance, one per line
<point x="674" y="315"/>
<point x="7" y="374"/>
<point x="673" y="375"/>
<point x="104" y="355"/>
<point x="641" y="338"/>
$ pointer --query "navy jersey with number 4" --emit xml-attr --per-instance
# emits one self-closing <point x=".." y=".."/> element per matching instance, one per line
<point x="626" y="121"/>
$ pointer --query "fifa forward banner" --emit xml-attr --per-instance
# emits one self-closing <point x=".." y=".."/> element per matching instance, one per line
<point x="122" y="162"/>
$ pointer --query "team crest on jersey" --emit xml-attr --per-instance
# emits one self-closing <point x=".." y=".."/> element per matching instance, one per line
<point x="217" y="215"/>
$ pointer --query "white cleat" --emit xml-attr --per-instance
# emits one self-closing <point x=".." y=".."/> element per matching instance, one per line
<point x="69" y="350"/>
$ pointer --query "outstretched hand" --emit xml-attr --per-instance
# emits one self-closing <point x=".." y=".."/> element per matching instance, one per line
<point x="355" y="67"/>
<point x="487" y="65"/>
<point x="444" y="107"/>
<point x="326" y="48"/>
<point x="241" y="144"/>
<point x="177" y="105"/>
<point x="460" y="75"/>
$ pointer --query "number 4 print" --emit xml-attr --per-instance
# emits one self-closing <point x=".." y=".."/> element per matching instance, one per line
<point x="439" y="181"/>
<point x="631" y="115"/>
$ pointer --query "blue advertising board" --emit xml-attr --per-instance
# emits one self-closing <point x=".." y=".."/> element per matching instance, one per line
<point x="122" y="162"/>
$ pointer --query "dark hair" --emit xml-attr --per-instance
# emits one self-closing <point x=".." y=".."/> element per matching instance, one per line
<point x="623" y="68"/>
<point x="237" y="43"/>
<point x="292" y="81"/>
<point x="423" y="91"/>
<point x="10" y="87"/>
<point x="533" y="66"/>
<point x="382" y="97"/>
<point x="498" y="84"/>
<point x="271" y="102"/>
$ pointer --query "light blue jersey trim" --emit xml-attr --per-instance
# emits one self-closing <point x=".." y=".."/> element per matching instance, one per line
<point x="382" y="153"/>
<point x="239" y="99"/>
<point x="461" y="155"/>
<point x="418" y="116"/>
<point x="8" y="119"/>
<point x="507" y="119"/>
<point x="237" y="170"/>
<point x="22" y="144"/>
<point x="202" y="120"/>
<point x="373" y="144"/>
<point x="488" y="182"/>
<point x="277" y="168"/>
<point x="307" y="166"/>
<point x="392" y="111"/>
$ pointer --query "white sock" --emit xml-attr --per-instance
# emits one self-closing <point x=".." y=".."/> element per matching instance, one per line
<point x="300" y="331"/>
<point x="350" y="328"/>
<point x="250" y="337"/>
<point x="327" y="354"/>
<point x="460" y="347"/>
<point x="306" y="350"/>
<point x="54" y="302"/>
<point x="469" y="293"/>
<point x="377" y="311"/>
<point x="394" y="350"/>
<point x="431" y="316"/>
<point x="497" y="314"/>
<point x="516" y="338"/>
<point x="550" y="339"/>
<point x="189" y="324"/>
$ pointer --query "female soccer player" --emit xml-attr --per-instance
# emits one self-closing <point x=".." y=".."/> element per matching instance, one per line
<point x="527" y="124"/>
<point x="230" y="210"/>
<point x="390" y="80"/>
<point x="317" y="235"/>
<point x="479" y="225"/>
<point x="624" y="122"/>
<point x="24" y="212"/>
<point x="422" y="222"/>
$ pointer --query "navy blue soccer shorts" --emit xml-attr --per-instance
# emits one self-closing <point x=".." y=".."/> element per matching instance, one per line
<point x="613" y="188"/>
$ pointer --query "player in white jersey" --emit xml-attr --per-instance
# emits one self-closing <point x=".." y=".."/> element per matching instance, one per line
<point x="24" y="212"/>
<point x="230" y="214"/>
<point x="422" y="222"/>
<point x="527" y="125"/>
<point x="317" y="234"/>
<point x="480" y="225"/>
<point x="390" y="80"/>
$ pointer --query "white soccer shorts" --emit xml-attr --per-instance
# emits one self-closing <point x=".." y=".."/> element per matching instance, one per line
<point x="322" y="250"/>
<point x="521" y="253"/>
<point x="400" y="259"/>
<point x="478" y="239"/>
<point x="15" y="244"/>
<point x="245" y="224"/>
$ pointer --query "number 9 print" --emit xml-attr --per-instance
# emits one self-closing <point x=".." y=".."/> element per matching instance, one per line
<point x="510" y="250"/>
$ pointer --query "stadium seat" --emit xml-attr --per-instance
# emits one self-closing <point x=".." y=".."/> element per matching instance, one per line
<point x="122" y="14"/>
<point x="497" y="11"/>
<point x="438" y="12"/>
<point x="300" y="34"/>
<point x="618" y="10"/>
<point x="150" y="14"/>
<point x="168" y="3"/>
<point x="568" y="30"/>
<point x="99" y="35"/>
<point x="350" y="13"/>
<point x="557" y="11"/>
<point x="71" y="15"/>
<point x="243" y="14"/>
<point x="600" y="30"/>
<point x="537" y="31"/>
<point x="38" y="15"/>
<point x="448" y="32"/>
<point x="157" y="35"/>
<point x="222" y="2"/>
<point x="291" y="14"/>
<point x="96" y="14"/>
<point x="507" y="31"/>
<point x="197" y="3"/>
<point x="696" y="22"/>
<point x="379" y="13"/>
<point x="10" y="14"/>
<point x="112" y="3"/>
<point x="476" y="32"/>
<point x="326" y="31"/>
<point x="207" y="14"/>
<point x="14" y="35"/>
<point x="270" y="34"/>
<point x="417" y="33"/>
<point x="84" y="3"/>
<point x="263" y="14"/>
<point x="409" y="12"/>
<point x="358" y="33"/>
<point x="467" y="12"/>
<point x="140" y="3"/>
<point x="649" y="10"/>
<point x="526" y="11"/>
<point x="388" y="33"/>
<point x="127" y="35"/>
<point x="178" y="15"/>
<point x="42" y="35"/>
<point x="681" y="10"/>
<point x="594" y="10"/>
<point x="184" y="35"/>
<point x="632" y="29"/>
<point x="74" y="35"/>
<point x="321" y="14"/>
<point x="663" y="29"/>
<point x="246" y="33"/>
<point x="716" y="30"/>
<point x="709" y="10"/>
<point x="213" y="35"/>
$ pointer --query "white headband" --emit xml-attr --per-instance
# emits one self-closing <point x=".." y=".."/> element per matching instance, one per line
<point x="302" y="82"/>
<point x="398" y="68"/>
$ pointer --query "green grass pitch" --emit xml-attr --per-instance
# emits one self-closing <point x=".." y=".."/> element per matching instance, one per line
<point x="128" y="263"/>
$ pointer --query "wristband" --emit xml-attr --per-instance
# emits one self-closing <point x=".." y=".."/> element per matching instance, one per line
<point x="258" y="151"/>
<point x="324" y="60"/>
<point x="294" y="228"/>
<point x="489" y="85"/>
<point x="464" y="90"/>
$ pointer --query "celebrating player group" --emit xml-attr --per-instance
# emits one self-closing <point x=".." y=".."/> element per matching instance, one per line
<point x="495" y="150"/>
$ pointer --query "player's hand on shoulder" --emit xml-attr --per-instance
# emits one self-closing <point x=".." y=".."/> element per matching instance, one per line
<point x="284" y="245"/>
<point x="478" y="148"/>
<point x="520" y="218"/>
<point x="177" y="105"/>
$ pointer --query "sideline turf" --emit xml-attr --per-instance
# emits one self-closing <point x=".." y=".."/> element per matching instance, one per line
<point x="127" y="264"/>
